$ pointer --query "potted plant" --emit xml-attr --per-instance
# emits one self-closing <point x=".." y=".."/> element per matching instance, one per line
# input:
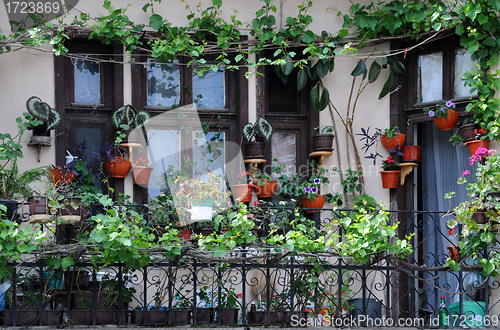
<point x="391" y="138"/>
<point x="264" y="184"/>
<point x="141" y="171"/>
<point x="324" y="141"/>
<point x="444" y="115"/>
<point x="117" y="166"/>
<point x="63" y="174"/>
<point x="46" y="119"/>
<point x="411" y="153"/>
<point x="125" y="119"/>
<point x="478" y="139"/>
<point x="257" y="135"/>
<point x="464" y="130"/>
<point x="390" y="173"/>
<point x="242" y="191"/>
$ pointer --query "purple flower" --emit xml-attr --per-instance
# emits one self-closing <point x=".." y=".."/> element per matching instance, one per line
<point x="317" y="180"/>
<point x="431" y="113"/>
<point x="314" y="190"/>
<point x="307" y="189"/>
<point x="450" y="104"/>
<point x="442" y="109"/>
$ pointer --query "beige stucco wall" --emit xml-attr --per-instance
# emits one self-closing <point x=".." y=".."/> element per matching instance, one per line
<point x="30" y="72"/>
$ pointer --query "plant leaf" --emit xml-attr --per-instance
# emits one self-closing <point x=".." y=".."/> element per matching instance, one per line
<point x="38" y="109"/>
<point x="314" y="97"/>
<point x="387" y="86"/>
<point x="301" y="79"/>
<point x="327" y="130"/>
<point x="54" y="120"/>
<point x="248" y="131"/>
<point x="265" y="129"/>
<point x="398" y="68"/>
<point x="124" y="115"/>
<point x="141" y="119"/>
<point x="287" y="68"/>
<point x="375" y="69"/>
<point x="359" y="69"/>
<point x="322" y="67"/>
<point x="325" y="98"/>
<point x="311" y="72"/>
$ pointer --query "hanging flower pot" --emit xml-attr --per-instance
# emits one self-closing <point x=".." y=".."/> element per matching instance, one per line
<point x="242" y="192"/>
<point x="389" y="143"/>
<point x="118" y="167"/>
<point x="141" y="174"/>
<point x="411" y="153"/>
<point x="316" y="203"/>
<point x="390" y="179"/>
<point x="266" y="190"/>
<point x="446" y="124"/>
<point x="476" y="144"/>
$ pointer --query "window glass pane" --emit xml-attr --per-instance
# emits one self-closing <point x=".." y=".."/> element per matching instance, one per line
<point x="164" y="153"/>
<point x="463" y="63"/>
<point x="205" y="160"/>
<point x="208" y="89"/>
<point x="163" y="83"/>
<point x="430" y="77"/>
<point x="87" y="86"/>
<point x="284" y="146"/>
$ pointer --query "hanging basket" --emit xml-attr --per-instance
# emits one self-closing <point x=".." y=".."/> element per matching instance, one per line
<point x="446" y="124"/>
<point x="389" y="144"/>
<point x="141" y="174"/>
<point x="390" y="179"/>
<point x="118" y="167"/>
<point x="242" y="192"/>
<point x="316" y="203"/>
<point x="476" y="144"/>
<point x="467" y="131"/>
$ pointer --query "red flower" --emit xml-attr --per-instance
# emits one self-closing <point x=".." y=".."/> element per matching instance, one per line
<point x="390" y="160"/>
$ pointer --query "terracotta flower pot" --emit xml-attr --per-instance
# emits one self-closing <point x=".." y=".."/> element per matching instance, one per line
<point x="266" y="190"/>
<point x="141" y="174"/>
<point x="59" y="178"/>
<point x="242" y="192"/>
<point x="412" y="153"/>
<point x="445" y="124"/>
<point x="476" y="144"/>
<point x="390" y="179"/>
<point x="316" y="203"/>
<point x="119" y="167"/>
<point x="389" y="144"/>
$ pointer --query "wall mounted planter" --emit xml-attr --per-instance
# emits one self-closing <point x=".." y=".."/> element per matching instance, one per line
<point x="389" y="144"/>
<point x="323" y="142"/>
<point x="390" y="179"/>
<point x="445" y="124"/>
<point x="476" y="144"/>
<point x="119" y="167"/>
<point x="141" y="174"/>
<point x="412" y="153"/>
<point x="467" y="130"/>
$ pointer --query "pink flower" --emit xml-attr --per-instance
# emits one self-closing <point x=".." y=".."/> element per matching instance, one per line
<point x="466" y="172"/>
<point x="256" y="203"/>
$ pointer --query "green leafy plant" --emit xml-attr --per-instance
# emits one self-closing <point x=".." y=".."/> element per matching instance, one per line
<point x="260" y="131"/>
<point x="41" y="111"/>
<point x="391" y="132"/>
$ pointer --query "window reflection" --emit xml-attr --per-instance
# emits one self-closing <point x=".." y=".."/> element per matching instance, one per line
<point x="284" y="146"/>
<point x="164" y="153"/>
<point x="87" y="82"/>
<point x="463" y="63"/>
<point x="430" y="77"/>
<point x="209" y="155"/>
<point x="208" y="88"/>
<point x="163" y="83"/>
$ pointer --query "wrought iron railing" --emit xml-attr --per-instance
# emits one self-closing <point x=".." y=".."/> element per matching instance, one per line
<point x="260" y="290"/>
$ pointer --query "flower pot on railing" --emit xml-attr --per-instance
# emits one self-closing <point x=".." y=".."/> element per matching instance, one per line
<point x="390" y="143"/>
<point x="267" y="189"/>
<point x="412" y="153"/>
<point x="390" y="179"/>
<point x="242" y="192"/>
<point x="118" y="167"/>
<point x="141" y="174"/>
<point x="316" y="203"/>
<point x="476" y="144"/>
<point x="445" y="124"/>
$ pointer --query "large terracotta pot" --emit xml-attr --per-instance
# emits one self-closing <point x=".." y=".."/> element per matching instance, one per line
<point x="243" y="192"/>
<point x="59" y="178"/>
<point x="141" y="174"/>
<point x="445" y="124"/>
<point x="316" y="203"/>
<point x="412" y="153"/>
<point x="390" y="179"/>
<point x="476" y="144"/>
<point x="266" y="190"/>
<point x="119" y="167"/>
<point x="389" y="144"/>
